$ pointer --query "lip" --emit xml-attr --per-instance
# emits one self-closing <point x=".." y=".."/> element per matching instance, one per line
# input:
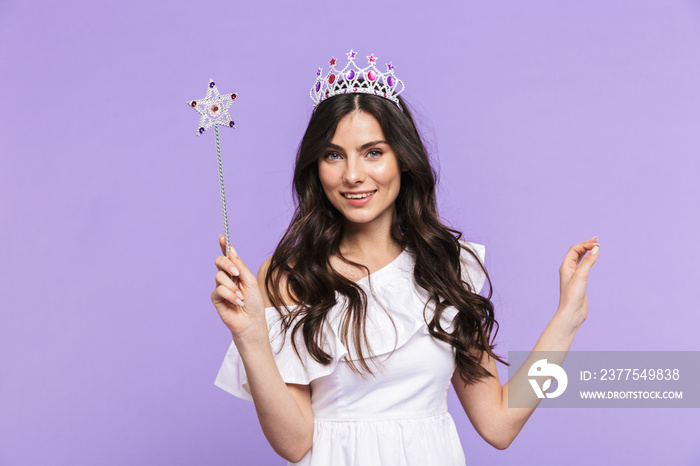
<point x="358" y="192"/>
<point x="359" y="202"/>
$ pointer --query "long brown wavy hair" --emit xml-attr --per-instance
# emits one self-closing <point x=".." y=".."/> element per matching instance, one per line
<point x="313" y="236"/>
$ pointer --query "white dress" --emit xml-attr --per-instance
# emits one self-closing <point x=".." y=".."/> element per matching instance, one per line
<point x="399" y="417"/>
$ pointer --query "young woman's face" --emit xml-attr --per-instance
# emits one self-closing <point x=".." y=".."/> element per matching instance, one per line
<point x="359" y="161"/>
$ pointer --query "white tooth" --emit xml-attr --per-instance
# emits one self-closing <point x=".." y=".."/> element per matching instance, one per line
<point x="358" y="196"/>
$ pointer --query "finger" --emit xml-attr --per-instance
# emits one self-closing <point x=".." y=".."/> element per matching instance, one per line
<point x="577" y="251"/>
<point x="222" y="244"/>
<point x="228" y="295"/>
<point x="589" y="260"/>
<point x="246" y="276"/>
<point x="225" y="264"/>
<point x="222" y="278"/>
<point x="572" y="258"/>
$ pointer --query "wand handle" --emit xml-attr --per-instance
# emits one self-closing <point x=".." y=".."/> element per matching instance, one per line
<point x="221" y="185"/>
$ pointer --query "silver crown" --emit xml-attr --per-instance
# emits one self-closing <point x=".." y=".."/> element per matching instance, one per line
<point x="353" y="79"/>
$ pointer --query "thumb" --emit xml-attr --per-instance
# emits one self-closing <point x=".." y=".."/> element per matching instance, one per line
<point x="589" y="260"/>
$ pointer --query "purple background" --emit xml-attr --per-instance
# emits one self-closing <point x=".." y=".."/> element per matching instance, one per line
<point x="552" y="122"/>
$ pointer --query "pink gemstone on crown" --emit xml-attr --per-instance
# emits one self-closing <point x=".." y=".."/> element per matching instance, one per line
<point x="371" y="75"/>
<point x="332" y="62"/>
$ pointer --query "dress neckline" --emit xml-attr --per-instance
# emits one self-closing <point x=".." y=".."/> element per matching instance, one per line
<point x="384" y="269"/>
<point x="374" y="275"/>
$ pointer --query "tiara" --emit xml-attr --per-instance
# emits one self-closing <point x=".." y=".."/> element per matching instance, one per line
<point x="353" y="79"/>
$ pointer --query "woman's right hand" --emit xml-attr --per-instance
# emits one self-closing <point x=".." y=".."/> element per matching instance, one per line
<point x="237" y="297"/>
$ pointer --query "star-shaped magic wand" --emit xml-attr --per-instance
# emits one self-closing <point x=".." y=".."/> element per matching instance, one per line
<point x="214" y="112"/>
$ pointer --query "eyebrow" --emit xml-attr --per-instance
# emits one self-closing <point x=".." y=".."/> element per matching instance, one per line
<point x="361" y="148"/>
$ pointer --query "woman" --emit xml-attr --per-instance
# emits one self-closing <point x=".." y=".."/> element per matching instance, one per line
<point x="351" y="333"/>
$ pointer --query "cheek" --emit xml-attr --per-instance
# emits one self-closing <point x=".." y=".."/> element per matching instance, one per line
<point x="327" y="177"/>
<point x="388" y="174"/>
<point x="322" y="174"/>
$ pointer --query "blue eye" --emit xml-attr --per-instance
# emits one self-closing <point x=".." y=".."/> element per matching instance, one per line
<point x="330" y="156"/>
<point x="378" y="153"/>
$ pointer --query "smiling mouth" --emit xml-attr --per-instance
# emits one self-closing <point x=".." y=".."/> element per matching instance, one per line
<point x="359" y="196"/>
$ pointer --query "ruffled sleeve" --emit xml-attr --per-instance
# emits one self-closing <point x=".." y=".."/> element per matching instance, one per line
<point x="471" y="270"/>
<point x="472" y="274"/>
<point x="233" y="379"/>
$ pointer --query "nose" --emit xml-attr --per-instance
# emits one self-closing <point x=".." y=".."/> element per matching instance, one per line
<point x="354" y="170"/>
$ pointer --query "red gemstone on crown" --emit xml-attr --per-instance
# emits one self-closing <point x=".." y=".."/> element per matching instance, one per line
<point x="233" y="96"/>
<point x="331" y="79"/>
<point x="194" y="104"/>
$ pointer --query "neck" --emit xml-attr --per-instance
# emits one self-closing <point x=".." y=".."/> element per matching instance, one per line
<point x="369" y="239"/>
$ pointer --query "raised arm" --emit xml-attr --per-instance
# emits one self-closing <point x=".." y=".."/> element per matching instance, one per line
<point x="284" y="410"/>
<point x="486" y="401"/>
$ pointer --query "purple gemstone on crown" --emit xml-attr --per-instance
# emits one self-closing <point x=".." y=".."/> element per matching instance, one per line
<point x="350" y="74"/>
<point x="211" y="84"/>
<point x="371" y="75"/>
<point x="390" y="81"/>
<point x="231" y="124"/>
<point x="318" y="86"/>
<point x="201" y="130"/>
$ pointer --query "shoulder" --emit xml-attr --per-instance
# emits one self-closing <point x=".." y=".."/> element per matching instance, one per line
<point x="282" y="292"/>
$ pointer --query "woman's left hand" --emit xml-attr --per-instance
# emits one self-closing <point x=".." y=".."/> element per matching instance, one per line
<point x="573" y="278"/>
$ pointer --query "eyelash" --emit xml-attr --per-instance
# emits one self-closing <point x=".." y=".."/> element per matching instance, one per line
<point x="327" y="156"/>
